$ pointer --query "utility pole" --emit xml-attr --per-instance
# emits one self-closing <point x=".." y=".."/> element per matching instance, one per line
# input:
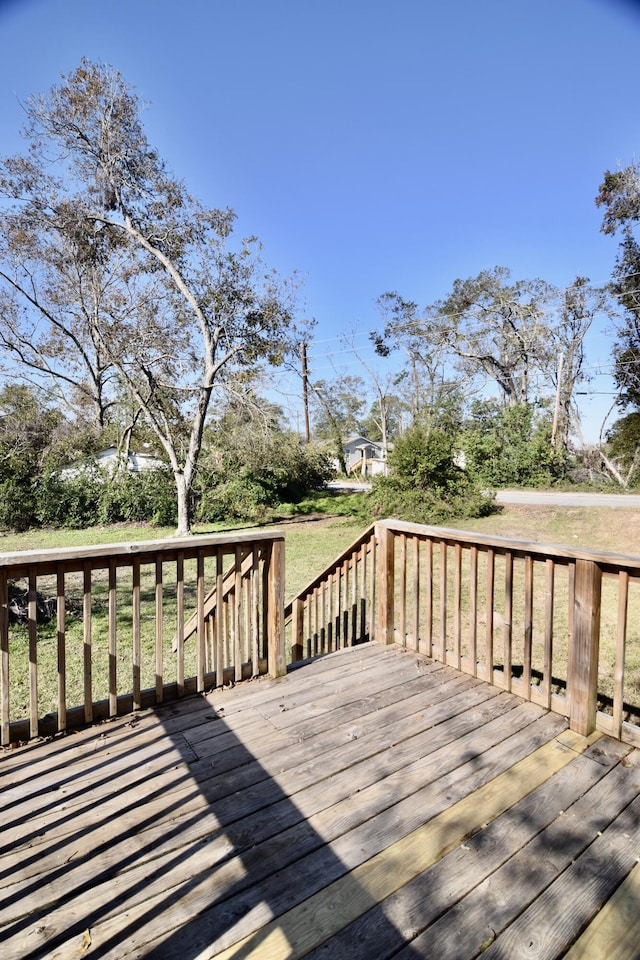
<point x="305" y="390"/>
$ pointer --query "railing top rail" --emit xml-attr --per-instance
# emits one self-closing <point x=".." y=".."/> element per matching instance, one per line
<point x="544" y="551"/>
<point x="190" y="546"/>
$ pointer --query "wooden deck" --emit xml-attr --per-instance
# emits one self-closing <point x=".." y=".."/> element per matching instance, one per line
<point x="371" y="804"/>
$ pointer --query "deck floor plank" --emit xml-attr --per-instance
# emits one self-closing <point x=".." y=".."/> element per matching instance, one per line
<point x="160" y="808"/>
<point x="495" y="903"/>
<point x="615" y="932"/>
<point x="371" y="803"/>
<point x="432" y="894"/>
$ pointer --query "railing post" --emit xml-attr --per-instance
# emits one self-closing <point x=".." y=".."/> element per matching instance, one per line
<point x="275" y="611"/>
<point x="582" y="679"/>
<point x="385" y="582"/>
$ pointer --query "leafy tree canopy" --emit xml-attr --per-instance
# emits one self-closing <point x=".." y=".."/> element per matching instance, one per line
<point x="619" y="199"/>
<point x="115" y="280"/>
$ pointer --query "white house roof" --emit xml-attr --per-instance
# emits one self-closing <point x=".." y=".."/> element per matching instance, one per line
<point x="109" y="460"/>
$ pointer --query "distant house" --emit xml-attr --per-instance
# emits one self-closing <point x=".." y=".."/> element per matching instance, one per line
<point x="109" y="461"/>
<point x="365" y="457"/>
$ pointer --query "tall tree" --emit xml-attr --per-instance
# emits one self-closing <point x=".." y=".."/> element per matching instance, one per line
<point x="619" y="198"/>
<point x="499" y="329"/>
<point x="151" y="280"/>
<point x="569" y="321"/>
<point x="422" y="338"/>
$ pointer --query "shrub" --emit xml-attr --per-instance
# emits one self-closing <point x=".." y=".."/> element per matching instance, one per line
<point x="90" y="498"/>
<point x="139" y="497"/>
<point x="511" y="446"/>
<point x="425" y="484"/>
<point x="251" y="480"/>
<point x="18" y="504"/>
<point x="239" y="498"/>
<point x="70" y="502"/>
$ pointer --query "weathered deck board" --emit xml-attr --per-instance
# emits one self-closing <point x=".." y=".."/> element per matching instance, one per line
<point x="371" y="803"/>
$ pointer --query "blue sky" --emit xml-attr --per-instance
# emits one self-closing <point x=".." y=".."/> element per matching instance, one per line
<point x="373" y="145"/>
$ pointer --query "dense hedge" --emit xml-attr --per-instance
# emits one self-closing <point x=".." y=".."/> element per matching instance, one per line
<point x="89" y="499"/>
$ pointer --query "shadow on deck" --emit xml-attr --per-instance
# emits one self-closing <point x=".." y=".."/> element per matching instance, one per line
<point x="370" y="804"/>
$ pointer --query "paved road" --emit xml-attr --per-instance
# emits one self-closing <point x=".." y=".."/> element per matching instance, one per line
<point x="569" y="499"/>
<point x="532" y="497"/>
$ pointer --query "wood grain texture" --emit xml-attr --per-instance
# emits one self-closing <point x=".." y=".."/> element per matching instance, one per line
<point x="372" y="803"/>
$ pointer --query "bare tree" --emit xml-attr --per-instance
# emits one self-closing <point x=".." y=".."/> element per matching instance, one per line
<point x="577" y="306"/>
<point x="422" y="337"/>
<point x="382" y="387"/>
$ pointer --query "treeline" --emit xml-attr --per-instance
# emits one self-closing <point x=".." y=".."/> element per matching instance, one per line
<point x="49" y="477"/>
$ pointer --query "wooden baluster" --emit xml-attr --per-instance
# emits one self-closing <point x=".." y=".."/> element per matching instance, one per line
<point x="159" y="633"/>
<point x="5" y="712"/>
<point x="548" y="630"/>
<point x="373" y="579"/>
<point x="309" y="627"/>
<point x="237" y="618"/>
<point x="443" y="601"/>
<point x="621" y="641"/>
<point x="386" y="583"/>
<point x="61" y="648"/>
<point x="137" y="650"/>
<point x="363" y="593"/>
<point x="330" y="620"/>
<point x="508" y="619"/>
<point x="219" y="635"/>
<point x="113" y="640"/>
<point x="528" y="625"/>
<point x="583" y="677"/>
<point x="457" y="607"/>
<point x="473" y="611"/>
<point x="402" y="590"/>
<point x="491" y="572"/>
<point x="339" y="608"/>
<point x="571" y="597"/>
<point x="227" y="610"/>
<point x="416" y="593"/>
<point x="200" y="622"/>
<point x="297" y="630"/>
<point x="255" y="611"/>
<point x="275" y="631"/>
<point x="180" y="622"/>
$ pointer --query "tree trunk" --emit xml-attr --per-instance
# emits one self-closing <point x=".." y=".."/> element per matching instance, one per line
<point x="184" y="512"/>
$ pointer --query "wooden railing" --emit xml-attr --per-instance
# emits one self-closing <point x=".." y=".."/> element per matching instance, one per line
<point x="560" y="627"/>
<point x="116" y="640"/>
<point x="547" y="622"/>
<point x="337" y="608"/>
